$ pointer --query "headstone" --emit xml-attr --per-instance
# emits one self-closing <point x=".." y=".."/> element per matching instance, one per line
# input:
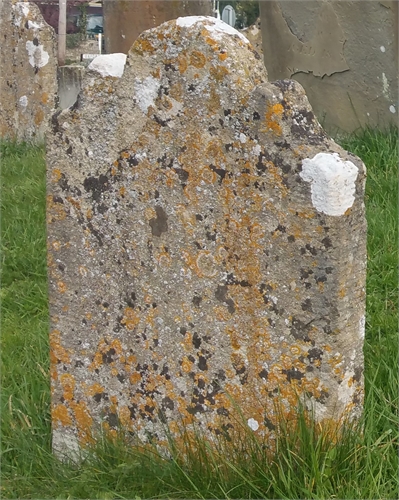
<point x="345" y="54"/>
<point x="206" y="246"/>
<point x="229" y="15"/>
<point x="28" y="76"/>
<point x="125" y="21"/>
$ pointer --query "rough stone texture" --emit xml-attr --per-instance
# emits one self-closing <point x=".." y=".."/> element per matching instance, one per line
<point x="125" y="20"/>
<point x="345" y="54"/>
<point x="206" y="246"/>
<point x="28" y="75"/>
<point x="254" y="35"/>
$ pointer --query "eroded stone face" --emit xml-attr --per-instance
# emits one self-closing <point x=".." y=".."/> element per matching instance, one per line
<point x="190" y="267"/>
<point x="28" y="83"/>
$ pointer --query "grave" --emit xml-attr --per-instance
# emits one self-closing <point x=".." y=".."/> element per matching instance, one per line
<point x="206" y="247"/>
<point x="28" y="82"/>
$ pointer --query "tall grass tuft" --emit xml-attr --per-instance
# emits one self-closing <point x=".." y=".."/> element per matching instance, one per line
<point x="308" y="462"/>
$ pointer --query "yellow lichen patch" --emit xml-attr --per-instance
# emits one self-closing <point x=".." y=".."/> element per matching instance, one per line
<point x="56" y="245"/>
<point x="219" y="72"/>
<point x="68" y="384"/>
<point x="39" y="116"/>
<point x="83" y="419"/>
<point x="272" y="117"/>
<point x="60" y="415"/>
<point x="197" y="59"/>
<point x="182" y="63"/>
<point x="45" y="97"/>
<point x="223" y="56"/>
<point x="156" y="73"/>
<point x="95" y="388"/>
<point x="130" y="318"/>
<point x="57" y="352"/>
<point x="55" y="211"/>
<point x="135" y="378"/>
<point x="186" y="365"/>
<point x="62" y="288"/>
<point x="142" y="45"/>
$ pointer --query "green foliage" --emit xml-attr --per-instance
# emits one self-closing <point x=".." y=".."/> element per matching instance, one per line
<point x="359" y="463"/>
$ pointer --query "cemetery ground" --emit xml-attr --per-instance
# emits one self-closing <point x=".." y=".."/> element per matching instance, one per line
<point x="361" y="464"/>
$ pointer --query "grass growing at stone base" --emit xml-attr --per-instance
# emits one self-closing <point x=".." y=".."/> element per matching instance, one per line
<point x="308" y="463"/>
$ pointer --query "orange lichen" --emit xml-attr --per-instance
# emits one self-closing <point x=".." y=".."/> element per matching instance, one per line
<point x="273" y="114"/>
<point x="57" y="352"/>
<point x="197" y="59"/>
<point x="60" y="415"/>
<point x="62" y="288"/>
<point x="130" y="319"/>
<point x="218" y="72"/>
<point x="68" y="383"/>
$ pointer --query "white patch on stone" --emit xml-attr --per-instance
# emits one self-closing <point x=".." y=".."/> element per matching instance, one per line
<point x="146" y="92"/>
<point x="33" y="25"/>
<point x="243" y="138"/>
<point x="22" y="10"/>
<point x="218" y="28"/>
<point x="253" y="424"/>
<point x="38" y="57"/>
<point x="109" y="64"/>
<point x="23" y="101"/>
<point x="345" y="393"/>
<point x="332" y="182"/>
<point x="256" y="150"/>
<point x="385" y="85"/>
<point x="382" y="48"/>
<point x="362" y="327"/>
<point x="392" y="109"/>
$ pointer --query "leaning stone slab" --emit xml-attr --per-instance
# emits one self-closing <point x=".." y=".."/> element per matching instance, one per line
<point x="206" y="246"/>
<point x="28" y="75"/>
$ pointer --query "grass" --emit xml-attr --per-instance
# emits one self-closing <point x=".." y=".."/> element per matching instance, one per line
<point x="308" y="463"/>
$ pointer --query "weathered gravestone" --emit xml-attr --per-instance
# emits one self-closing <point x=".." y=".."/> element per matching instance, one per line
<point x="28" y="74"/>
<point x="206" y="245"/>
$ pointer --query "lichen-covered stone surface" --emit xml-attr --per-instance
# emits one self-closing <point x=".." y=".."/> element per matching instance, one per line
<point x="206" y="246"/>
<point x="28" y="74"/>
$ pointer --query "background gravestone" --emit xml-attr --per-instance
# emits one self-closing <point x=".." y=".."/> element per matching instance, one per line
<point x="206" y="245"/>
<point x="28" y="75"/>
<point x="345" y="54"/>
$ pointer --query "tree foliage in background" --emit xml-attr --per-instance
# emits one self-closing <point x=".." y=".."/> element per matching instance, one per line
<point x="247" y="11"/>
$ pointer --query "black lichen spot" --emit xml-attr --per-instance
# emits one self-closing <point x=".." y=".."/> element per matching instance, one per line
<point x="211" y="236"/>
<point x="291" y="238"/>
<point x="121" y="378"/>
<point x="168" y="403"/>
<point x="107" y="356"/>
<point x="196" y="340"/>
<point x="293" y="374"/>
<point x="112" y="419"/>
<point x="329" y="270"/>
<point x="260" y="166"/>
<point x="69" y="151"/>
<point x="264" y="374"/>
<point x="183" y="330"/>
<point x="314" y="354"/>
<point x="202" y="364"/>
<point x="300" y="330"/>
<point x="327" y="242"/>
<point x="305" y="273"/>
<point x="219" y="171"/>
<point x="99" y="396"/>
<point x="160" y="224"/>
<point x="197" y="300"/>
<point x="227" y="112"/>
<point x="321" y="279"/>
<point x="307" y="305"/>
<point x="324" y="395"/>
<point x="221" y="295"/>
<point x="269" y="424"/>
<point x="256" y="116"/>
<point x="96" y="186"/>
<point x="35" y="42"/>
